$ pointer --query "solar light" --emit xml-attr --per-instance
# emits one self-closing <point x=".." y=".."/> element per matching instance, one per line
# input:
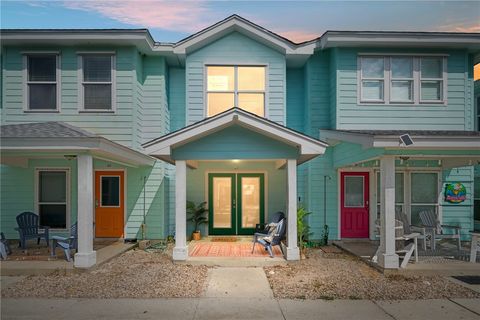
<point x="406" y="139"/>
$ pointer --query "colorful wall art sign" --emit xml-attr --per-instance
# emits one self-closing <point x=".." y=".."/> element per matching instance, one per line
<point x="455" y="192"/>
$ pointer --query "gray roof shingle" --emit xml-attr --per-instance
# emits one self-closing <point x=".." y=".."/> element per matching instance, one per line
<point x="43" y="130"/>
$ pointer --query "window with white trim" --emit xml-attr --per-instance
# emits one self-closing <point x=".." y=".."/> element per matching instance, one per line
<point x="41" y="82"/>
<point x="415" y="191"/>
<point x="236" y="86"/>
<point x="402" y="79"/>
<point x="52" y="200"/>
<point x="97" y="82"/>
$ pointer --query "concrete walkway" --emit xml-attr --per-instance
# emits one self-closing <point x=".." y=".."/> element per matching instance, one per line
<point x="238" y="293"/>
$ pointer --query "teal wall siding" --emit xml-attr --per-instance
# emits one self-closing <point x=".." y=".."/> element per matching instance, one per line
<point x="234" y="142"/>
<point x="275" y="182"/>
<point x="456" y="115"/>
<point x="177" y="98"/>
<point x="117" y="127"/>
<point x="317" y="94"/>
<point x="460" y="214"/>
<point x="17" y="193"/>
<point x="233" y="49"/>
<point x="295" y="99"/>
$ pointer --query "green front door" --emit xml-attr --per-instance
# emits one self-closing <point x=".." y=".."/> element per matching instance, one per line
<point x="236" y="202"/>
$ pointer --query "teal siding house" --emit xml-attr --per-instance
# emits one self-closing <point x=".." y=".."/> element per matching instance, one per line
<point x="116" y="132"/>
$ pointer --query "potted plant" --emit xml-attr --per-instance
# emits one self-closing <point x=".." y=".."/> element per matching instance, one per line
<point x="198" y="215"/>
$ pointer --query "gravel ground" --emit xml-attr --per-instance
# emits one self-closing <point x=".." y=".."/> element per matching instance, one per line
<point x="340" y="276"/>
<point x="134" y="274"/>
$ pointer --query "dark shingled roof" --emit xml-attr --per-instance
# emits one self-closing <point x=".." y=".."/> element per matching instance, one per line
<point x="450" y="133"/>
<point x="43" y="130"/>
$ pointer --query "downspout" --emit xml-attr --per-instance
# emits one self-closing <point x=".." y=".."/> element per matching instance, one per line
<point x="144" y="226"/>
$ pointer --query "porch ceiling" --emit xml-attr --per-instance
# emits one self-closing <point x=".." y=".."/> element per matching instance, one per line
<point x="57" y="138"/>
<point x="164" y="147"/>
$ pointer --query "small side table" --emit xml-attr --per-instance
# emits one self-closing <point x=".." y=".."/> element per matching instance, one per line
<point x="474" y="245"/>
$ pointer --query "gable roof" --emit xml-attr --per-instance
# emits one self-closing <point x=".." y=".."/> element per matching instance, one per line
<point x="162" y="147"/>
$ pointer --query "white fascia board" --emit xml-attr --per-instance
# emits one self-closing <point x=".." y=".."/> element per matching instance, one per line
<point x="400" y="39"/>
<point x="443" y="142"/>
<point x="307" y="145"/>
<point x="96" y="145"/>
<point x="282" y="45"/>
<point x="365" y="140"/>
<point x="162" y="146"/>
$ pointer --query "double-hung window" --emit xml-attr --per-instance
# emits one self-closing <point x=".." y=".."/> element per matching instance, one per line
<point x="372" y="79"/>
<point x="52" y="197"/>
<point x="97" y="74"/>
<point x="401" y="82"/>
<point x="235" y="86"/>
<point x="402" y="79"/>
<point x="42" y="75"/>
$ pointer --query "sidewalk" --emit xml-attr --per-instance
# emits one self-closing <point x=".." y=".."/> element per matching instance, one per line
<point x="238" y="293"/>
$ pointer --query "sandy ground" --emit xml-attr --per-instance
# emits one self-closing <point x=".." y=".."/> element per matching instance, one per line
<point x="134" y="274"/>
<point x="341" y="276"/>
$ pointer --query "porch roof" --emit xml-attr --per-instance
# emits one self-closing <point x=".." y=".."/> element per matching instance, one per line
<point x="21" y="140"/>
<point x="164" y="146"/>
<point x="390" y="139"/>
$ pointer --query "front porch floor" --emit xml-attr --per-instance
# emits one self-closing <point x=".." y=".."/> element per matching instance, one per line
<point x="37" y="260"/>
<point x="446" y="260"/>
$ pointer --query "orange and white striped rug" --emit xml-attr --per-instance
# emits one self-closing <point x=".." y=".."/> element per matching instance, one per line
<point x="222" y="249"/>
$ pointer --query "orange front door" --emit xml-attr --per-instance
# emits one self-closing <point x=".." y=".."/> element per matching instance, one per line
<point x="109" y="204"/>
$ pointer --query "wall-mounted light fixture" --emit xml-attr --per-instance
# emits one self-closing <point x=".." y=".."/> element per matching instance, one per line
<point x="70" y="157"/>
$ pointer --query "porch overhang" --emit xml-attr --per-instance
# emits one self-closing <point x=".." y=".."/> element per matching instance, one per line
<point x="57" y="139"/>
<point x="390" y="139"/>
<point x="163" y="147"/>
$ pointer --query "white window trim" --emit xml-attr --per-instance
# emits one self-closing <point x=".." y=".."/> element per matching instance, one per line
<point x="407" y="201"/>
<point x="391" y="79"/>
<point x="81" y="83"/>
<point x="67" y="190"/>
<point x="361" y="79"/>
<point x="235" y="88"/>
<point x="26" y="82"/>
<point x="387" y="80"/>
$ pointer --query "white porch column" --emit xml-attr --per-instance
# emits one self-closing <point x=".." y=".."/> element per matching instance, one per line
<point x="293" y="253"/>
<point x="180" y="252"/>
<point x="85" y="257"/>
<point x="387" y="258"/>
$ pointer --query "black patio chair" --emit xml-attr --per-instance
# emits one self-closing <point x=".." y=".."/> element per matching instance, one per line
<point x="273" y="238"/>
<point x="28" y="228"/>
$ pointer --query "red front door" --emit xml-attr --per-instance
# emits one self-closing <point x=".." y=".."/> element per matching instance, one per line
<point x="354" y="204"/>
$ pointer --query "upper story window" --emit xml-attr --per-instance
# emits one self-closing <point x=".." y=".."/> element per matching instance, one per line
<point x="235" y="86"/>
<point x="97" y="74"/>
<point x="402" y="79"/>
<point x="41" y="82"/>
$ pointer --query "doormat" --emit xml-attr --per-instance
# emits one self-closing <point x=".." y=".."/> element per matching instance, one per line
<point x="241" y="249"/>
<point x="223" y="239"/>
<point x="468" y="279"/>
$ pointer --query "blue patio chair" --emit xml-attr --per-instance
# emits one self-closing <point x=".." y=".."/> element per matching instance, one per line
<point x="28" y="228"/>
<point x="4" y="247"/>
<point x="67" y="244"/>
<point x="274" y="237"/>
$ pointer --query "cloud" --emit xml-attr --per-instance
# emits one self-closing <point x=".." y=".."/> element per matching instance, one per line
<point x="182" y="16"/>
<point x="460" y="27"/>
<point x="299" y="35"/>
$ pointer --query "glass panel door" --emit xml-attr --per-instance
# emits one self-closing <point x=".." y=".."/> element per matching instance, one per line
<point x="250" y="201"/>
<point x="221" y="203"/>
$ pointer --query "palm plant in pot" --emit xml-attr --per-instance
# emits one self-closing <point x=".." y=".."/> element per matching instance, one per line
<point x="198" y="215"/>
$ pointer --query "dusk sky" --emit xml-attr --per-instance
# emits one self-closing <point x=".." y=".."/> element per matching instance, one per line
<point x="170" y="21"/>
